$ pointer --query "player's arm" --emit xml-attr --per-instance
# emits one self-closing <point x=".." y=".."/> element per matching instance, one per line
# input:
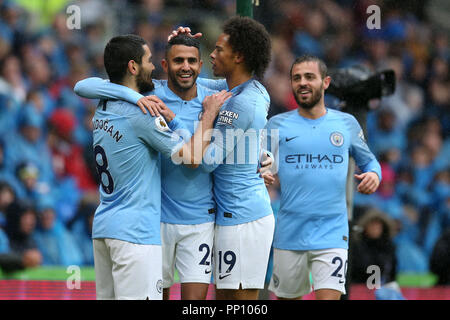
<point x="370" y="177"/>
<point x="98" y="88"/>
<point x="192" y="153"/>
<point x="155" y="132"/>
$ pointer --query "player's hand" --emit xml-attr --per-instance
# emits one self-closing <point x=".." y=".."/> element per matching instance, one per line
<point x="266" y="162"/>
<point x="183" y="30"/>
<point x="156" y="107"/>
<point x="369" y="182"/>
<point x="150" y="103"/>
<point x="213" y="103"/>
<point x="268" y="177"/>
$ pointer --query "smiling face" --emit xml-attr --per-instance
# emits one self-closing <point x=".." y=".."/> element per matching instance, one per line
<point x="183" y="66"/>
<point x="308" y="85"/>
<point x="223" y="57"/>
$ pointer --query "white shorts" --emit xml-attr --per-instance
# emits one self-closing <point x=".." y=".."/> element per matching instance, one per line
<point x="189" y="249"/>
<point x="290" y="276"/>
<point x="241" y="254"/>
<point x="125" y="270"/>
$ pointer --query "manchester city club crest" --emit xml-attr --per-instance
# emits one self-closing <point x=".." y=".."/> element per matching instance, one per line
<point x="337" y="139"/>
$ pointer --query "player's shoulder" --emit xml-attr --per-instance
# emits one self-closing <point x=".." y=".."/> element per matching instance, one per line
<point x="251" y="97"/>
<point x="279" y="118"/>
<point x="250" y="91"/>
<point x="339" y="114"/>
<point x="130" y="113"/>
<point x="159" y="83"/>
<point x="258" y="90"/>
<point x="204" y="91"/>
<point x="120" y="107"/>
<point x="348" y="118"/>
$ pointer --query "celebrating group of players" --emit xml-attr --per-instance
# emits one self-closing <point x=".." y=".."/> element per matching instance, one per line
<point x="164" y="204"/>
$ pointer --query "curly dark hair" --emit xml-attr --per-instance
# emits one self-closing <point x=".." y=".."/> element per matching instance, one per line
<point x="251" y="39"/>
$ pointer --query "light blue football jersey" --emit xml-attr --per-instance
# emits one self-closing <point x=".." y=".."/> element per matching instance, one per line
<point x="233" y="156"/>
<point x="187" y="194"/>
<point x="312" y="161"/>
<point x="126" y="149"/>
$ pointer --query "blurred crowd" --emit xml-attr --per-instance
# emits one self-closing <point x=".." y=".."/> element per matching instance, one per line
<point x="48" y="184"/>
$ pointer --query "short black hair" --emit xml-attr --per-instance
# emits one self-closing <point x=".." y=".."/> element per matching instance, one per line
<point x="251" y="39"/>
<point x="310" y="58"/>
<point x="119" y="51"/>
<point x="184" y="40"/>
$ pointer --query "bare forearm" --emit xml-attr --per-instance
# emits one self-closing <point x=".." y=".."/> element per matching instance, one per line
<point x="192" y="152"/>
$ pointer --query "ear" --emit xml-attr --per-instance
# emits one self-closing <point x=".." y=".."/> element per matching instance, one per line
<point x="326" y="82"/>
<point x="165" y="65"/>
<point x="200" y="66"/>
<point x="239" y="58"/>
<point x="133" y="67"/>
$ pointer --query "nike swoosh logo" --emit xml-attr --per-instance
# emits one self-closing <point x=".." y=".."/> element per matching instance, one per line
<point x="207" y="271"/>
<point x="224" y="276"/>
<point x="341" y="281"/>
<point x="289" y="139"/>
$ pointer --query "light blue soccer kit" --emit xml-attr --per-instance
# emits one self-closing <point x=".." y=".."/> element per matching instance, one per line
<point x="244" y="220"/>
<point x="126" y="227"/>
<point x="312" y="161"/>
<point x="126" y="149"/>
<point x="240" y="192"/>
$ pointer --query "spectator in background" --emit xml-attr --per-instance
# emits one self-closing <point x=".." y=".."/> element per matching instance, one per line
<point x="67" y="155"/>
<point x="54" y="241"/>
<point x="28" y="145"/>
<point x="373" y="245"/>
<point x="81" y="228"/>
<point x="310" y="39"/>
<point x="4" y="243"/>
<point x="406" y="103"/>
<point x="7" y="196"/>
<point x="6" y="176"/>
<point x="31" y="190"/>
<point x="440" y="259"/>
<point x="11" y="76"/>
<point x="20" y="225"/>
<point x="385" y="198"/>
<point x="440" y="192"/>
<point x="63" y="91"/>
<point x="385" y="134"/>
<point x="438" y="102"/>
